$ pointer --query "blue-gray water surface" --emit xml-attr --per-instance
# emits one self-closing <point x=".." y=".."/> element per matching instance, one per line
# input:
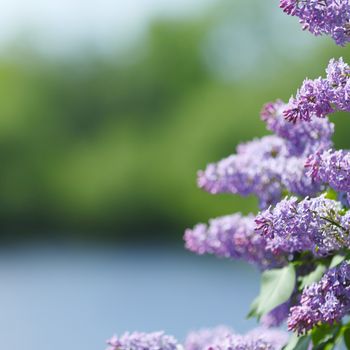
<point x="75" y="298"/>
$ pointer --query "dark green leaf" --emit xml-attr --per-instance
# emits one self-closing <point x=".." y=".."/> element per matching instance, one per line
<point x="324" y="334"/>
<point x="346" y="337"/>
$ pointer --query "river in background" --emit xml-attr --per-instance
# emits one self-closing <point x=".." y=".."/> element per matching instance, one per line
<point x="65" y="298"/>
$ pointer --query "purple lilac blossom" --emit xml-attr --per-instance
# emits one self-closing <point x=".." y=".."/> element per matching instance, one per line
<point x="326" y="301"/>
<point x="232" y="236"/>
<point x="313" y="224"/>
<point x="332" y="168"/>
<point x="344" y="199"/>
<point x="277" y="316"/>
<point x="256" y="168"/>
<point x="263" y="167"/>
<point x="275" y="337"/>
<point x="204" y="338"/>
<point x="258" y="339"/>
<point x="312" y="99"/>
<point x="322" y="17"/>
<point x="303" y="138"/>
<point x="322" y="96"/>
<point x="223" y="338"/>
<point x="295" y="180"/>
<point x="142" y="341"/>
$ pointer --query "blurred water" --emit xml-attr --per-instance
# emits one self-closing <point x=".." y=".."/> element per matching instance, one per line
<point x="74" y="298"/>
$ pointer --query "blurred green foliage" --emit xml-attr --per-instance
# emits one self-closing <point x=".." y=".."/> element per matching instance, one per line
<point x="107" y="146"/>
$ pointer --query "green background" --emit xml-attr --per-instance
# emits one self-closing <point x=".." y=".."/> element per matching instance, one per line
<point x="106" y="146"/>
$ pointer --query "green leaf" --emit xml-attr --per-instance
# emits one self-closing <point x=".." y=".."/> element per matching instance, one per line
<point x="298" y="343"/>
<point x="312" y="277"/>
<point x="324" y="335"/>
<point x="346" y="337"/>
<point x="253" y="308"/>
<point x="277" y="286"/>
<point x="337" y="259"/>
<point x="331" y="194"/>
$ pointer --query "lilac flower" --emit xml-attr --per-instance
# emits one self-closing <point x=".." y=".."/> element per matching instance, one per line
<point x="143" y="341"/>
<point x="223" y="338"/>
<point x="344" y="199"/>
<point x="262" y="167"/>
<point x="329" y="17"/>
<point x="275" y="337"/>
<point x="294" y="178"/>
<point x="338" y="73"/>
<point x="313" y="224"/>
<point x="332" y="168"/>
<point x="303" y="138"/>
<point x="321" y="97"/>
<point x="232" y="237"/>
<point x="326" y="301"/>
<point x="276" y="316"/>
<point x="207" y="337"/>
<point x="312" y="99"/>
<point x="256" y="168"/>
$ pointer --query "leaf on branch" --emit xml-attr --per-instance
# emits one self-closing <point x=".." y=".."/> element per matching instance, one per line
<point x="313" y="276"/>
<point x="331" y="194"/>
<point x="298" y="343"/>
<point x="253" y="308"/>
<point x="325" y="336"/>
<point x="277" y="286"/>
<point x="337" y="259"/>
<point x="346" y="337"/>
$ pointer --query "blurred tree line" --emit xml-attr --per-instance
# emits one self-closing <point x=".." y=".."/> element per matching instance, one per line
<point x="106" y="146"/>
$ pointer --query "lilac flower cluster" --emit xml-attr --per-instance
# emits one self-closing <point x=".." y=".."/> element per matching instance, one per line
<point x="276" y="316"/>
<point x="143" y="341"/>
<point x="222" y="338"/>
<point x="326" y="301"/>
<point x="301" y="139"/>
<point x="330" y="17"/>
<point x="256" y="168"/>
<point x="298" y="234"/>
<point x="262" y="167"/>
<point x="332" y="168"/>
<point x="268" y="166"/>
<point x="313" y="224"/>
<point x="207" y="337"/>
<point x="322" y="96"/>
<point x="232" y="236"/>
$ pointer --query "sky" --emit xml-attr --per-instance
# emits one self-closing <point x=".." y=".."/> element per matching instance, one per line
<point x="62" y="24"/>
<point x="58" y="27"/>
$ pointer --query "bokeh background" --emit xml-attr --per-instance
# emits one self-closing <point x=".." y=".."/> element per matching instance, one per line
<point x="107" y="110"/>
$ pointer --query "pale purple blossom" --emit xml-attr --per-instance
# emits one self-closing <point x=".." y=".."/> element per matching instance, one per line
<point x="312" y="99"/>
<point x="322" y="17"/>
<point x="263" y="167"/>
<point x="223" y="338"/>
<point x="312" y="224"/>
<point x="332" y="168"/>
<point x="233" y="237"/>
<point x="304" y="137"/>
<point x="206" y="337"/>
<point x="255" y="169"/>
<point x="277" y="316"/>
<point x="326" y="301"/>
<point x="322" y="96"/>
<point x="143" y="341"/>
